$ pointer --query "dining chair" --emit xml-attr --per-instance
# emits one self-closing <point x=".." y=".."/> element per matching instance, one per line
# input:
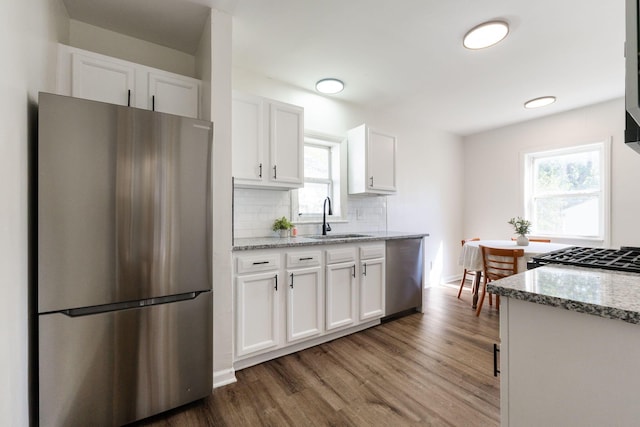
<point x="534" y="239"/>
<point x="465" y="272"/>
<point x="497" y="264"/>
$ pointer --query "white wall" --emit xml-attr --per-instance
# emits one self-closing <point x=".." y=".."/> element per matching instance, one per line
<point x="29" y="30"/>
<point x="429" y="198"/>
<point x="492" y="169"/>
<point x="96" y="39"/>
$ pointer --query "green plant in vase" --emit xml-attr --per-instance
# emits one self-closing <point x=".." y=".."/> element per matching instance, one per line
<point x="522" y="227"/>
<point x="282" y="225"/>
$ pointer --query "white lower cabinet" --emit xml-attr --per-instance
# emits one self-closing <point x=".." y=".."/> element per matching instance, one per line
<point x="257" y="312"/>
<point x="304" y="295"/>
<point x="341" y="287"/>
<point x="372" y="288"/>
<point x="286" y="299"/>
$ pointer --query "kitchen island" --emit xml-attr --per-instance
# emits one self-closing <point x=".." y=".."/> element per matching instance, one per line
<point x="570" y="346"/>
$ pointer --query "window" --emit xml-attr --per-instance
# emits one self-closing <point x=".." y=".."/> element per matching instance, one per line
<point x="324" y="176"/>
<point x="317" y="179"/>
<point x="566" y="192"/>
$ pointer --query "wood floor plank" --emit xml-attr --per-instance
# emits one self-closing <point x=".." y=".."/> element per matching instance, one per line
<point x="426" y="369"/>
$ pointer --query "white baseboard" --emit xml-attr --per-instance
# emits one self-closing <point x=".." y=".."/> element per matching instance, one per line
<point x="224" y="377"/>
<point x="444" y="281"/>
<point x="453" y="278"/>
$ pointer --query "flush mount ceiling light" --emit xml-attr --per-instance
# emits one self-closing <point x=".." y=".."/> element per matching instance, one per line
<point x="329" y="86"/>
<point x="485" y="35"/>
<point x="543" y="101"/>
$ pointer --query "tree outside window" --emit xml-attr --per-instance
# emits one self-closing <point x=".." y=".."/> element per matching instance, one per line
<point x="566" y="191"/>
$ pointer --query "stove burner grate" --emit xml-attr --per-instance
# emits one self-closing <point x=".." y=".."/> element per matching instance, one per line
<point x="627" y="258"/>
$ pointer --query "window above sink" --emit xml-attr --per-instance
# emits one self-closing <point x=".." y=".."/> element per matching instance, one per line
<point x="325" y="159"/>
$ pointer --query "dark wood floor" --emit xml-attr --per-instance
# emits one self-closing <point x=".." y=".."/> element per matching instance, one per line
<point x="425" y="369"/>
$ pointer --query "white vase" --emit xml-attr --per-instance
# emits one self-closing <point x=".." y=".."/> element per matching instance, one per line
<point x="284" y="233"/>
<point x="522" y="240"/>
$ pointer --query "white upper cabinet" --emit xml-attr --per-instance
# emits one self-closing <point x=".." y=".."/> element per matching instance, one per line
<point x="174" y="95"/>
<point x="268" y="143"/>
<point x="100" y="80"/>
<point x="248" y="136"/>
<point x="372" y="161"/>
<point x="90" y="75"/>
<point x="287" y="144"/>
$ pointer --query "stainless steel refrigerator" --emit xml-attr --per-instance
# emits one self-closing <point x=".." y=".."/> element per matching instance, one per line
<point x="124" y="262"/>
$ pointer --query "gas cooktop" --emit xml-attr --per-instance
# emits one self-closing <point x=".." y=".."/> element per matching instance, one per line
<point x="626" y="258"/>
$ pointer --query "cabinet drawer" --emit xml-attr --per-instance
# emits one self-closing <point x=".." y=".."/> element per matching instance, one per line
<point x="335" y="256"/>
<point x="303" y="259"/>
<point x="370" y="252"/>
<point x="251" y="264"/>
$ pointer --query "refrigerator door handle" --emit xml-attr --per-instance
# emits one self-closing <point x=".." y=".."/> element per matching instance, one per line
<point x="105" y="308"/>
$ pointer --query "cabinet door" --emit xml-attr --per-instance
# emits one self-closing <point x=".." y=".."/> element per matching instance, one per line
<point x="381" y="161"/>
<point x="256" y="313"/>
<point x="341" y="295"/>
<point x="304" y="303"/>
<point x="248" y="139"/>
<point x="173" y="94"/>
<point x="287" y="144"/>
<point x="372" y="288"/>
<point x="102" y="80"/>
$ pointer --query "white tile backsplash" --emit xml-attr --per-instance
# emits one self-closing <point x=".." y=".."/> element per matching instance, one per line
<point x="255" y="211"/>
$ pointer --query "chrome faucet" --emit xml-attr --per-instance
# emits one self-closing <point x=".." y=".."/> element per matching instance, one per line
<point x="325" y="225"/>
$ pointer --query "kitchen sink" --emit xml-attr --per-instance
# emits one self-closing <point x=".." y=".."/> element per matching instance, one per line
<point x="338" y="236"/>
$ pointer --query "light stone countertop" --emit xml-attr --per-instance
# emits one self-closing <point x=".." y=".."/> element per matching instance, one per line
<point x="604" y="293"/>
<point x="246" y="244"/>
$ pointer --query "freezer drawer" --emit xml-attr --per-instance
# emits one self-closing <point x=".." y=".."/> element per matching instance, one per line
<point x="116" y="367"/>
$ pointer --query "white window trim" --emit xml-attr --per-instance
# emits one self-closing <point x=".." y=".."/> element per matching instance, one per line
<point x="605" y="188"/>
<point x="319" y="138"/>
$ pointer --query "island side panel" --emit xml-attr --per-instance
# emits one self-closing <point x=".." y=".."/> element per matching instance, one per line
<point x="561" y="367"/>
<point x="504" y="361"/>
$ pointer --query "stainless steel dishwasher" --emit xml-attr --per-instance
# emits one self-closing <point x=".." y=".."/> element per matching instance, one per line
<point x="404" y="273"/>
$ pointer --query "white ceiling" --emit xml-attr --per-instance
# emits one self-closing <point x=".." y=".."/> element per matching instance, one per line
<point x="406" y="55"/>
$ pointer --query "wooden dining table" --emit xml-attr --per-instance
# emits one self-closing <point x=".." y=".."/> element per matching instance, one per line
<point x="471" y="256"/>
